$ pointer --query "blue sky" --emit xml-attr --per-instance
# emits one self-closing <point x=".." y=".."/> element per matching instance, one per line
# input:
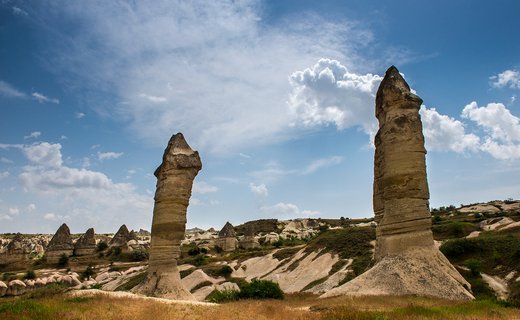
<point x="277" y="96"/>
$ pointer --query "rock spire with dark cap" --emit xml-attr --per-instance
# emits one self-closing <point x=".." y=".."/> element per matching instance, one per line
<point x="121" y="237"/>
<point x="407" y="261"/>
<point x="227" y="240"/>
<point x="175" y="178"/>
<point x="86" y="244"/>
<point x="61" y="243"/>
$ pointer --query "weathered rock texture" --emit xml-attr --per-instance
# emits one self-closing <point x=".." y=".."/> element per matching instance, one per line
<point x="227" y="240"/>
<point x="407" y="262"/>
<point x="175" y="178"/>
<point x="15" y="252"/>
<point x="121" y="237"/>
<point x="86" y="244"/>
<point x="60" y="244"/>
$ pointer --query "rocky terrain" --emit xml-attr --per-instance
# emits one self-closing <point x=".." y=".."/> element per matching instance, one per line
<point x="303" y="256"/>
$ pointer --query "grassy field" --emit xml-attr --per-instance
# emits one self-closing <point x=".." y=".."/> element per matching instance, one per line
<point x="61" y="306"/>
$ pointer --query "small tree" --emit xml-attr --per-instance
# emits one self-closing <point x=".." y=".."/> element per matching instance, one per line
<point x="30" y="274"/>
<point x="101" y="246"/>
<point x="64" y="260"/>
<point x="89" y="272"/>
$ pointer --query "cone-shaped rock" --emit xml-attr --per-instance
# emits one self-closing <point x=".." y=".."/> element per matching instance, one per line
<point x="61" y="243"/>
<point x="227" y="240"/>
<point x="121" y="237"/>
<point x="175" y="178"/>
<point x="249" y="241"/>
<point x="407" y="261"/>
<point x="86" y="244"/>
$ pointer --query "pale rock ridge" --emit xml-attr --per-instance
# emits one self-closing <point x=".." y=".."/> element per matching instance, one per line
<point x="175" y="178"/>
<point x="407" y="261"/>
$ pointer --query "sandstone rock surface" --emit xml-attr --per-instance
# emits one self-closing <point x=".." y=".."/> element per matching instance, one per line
<point x="175" y="178"/>
<point x="60" y="244"/>
<point x="121" y="237"/>
<point x="407" y="261"/>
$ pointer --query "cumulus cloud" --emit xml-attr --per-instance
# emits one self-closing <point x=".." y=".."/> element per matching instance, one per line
<point x="259" y="190"/>
<point x="44" y="154"/>
<point x="287" y="210"/>
<point x="34" y="135"/>
<point x="203" y="187"/>
<point x="502" y="129"/>
<point x="109" y="155"/>
<point x="43" y="99"/>
<point x="327" y="93"/>
<point x="88" y="194"/>
<point x="322" y="163"/>
<point x="509" y="78"/>
<point x="8" y="90"/>
<point x="443" y="133"/>
<point x="208" y="69"/>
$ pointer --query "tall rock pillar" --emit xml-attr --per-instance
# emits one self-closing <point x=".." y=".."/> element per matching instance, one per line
<point x="175" y="178"/>
<point x="406" y="259"/>
<point x="400" y="187"/>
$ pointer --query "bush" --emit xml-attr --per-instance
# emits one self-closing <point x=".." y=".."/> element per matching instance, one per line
<point x="30" y="274"/>
<point x="89" y="272"/>
<point x="101" y="246"/>
<point x="139" y="255"/>
<point x="261" y="289"/>
<point x="64" y="260"/>
<point x="223" y="296"/>
<point x="218" y="271"/>
<point x="474" y="266"/>
<point x="196" y="250"/>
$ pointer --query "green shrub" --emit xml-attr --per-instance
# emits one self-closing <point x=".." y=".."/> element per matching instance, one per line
<point x="89" y="272"/>
<point x="8" y="276"/>
<point x="132" y="282"/>
<point x="102" y="245"/>
<point x="196" y="250"/>
<point x="474" y="266"/>
<point x="30" y="274"/>
<point x="139" y="255"/>
<point x="261" y="289"/>
<point x="223" y="296"/>
<point x="64" y="260"/>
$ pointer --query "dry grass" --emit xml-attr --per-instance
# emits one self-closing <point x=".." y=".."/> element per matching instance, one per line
<point x="294" y="307"/>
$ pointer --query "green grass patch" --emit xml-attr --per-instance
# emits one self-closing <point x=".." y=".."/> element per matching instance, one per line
<point x="315" y="283"/>
<point x="347" y="243"/>
<point x="201" y="285"/>
<point x="132" y="282"/>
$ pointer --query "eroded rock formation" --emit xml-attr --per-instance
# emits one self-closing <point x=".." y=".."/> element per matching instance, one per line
<point x="249" y="241"/>
<point x="15" y="252"/>
<point x="60" y="244"/>
<point x="86" y="244"/>
<point x="227" y="240"/>
<point x="175" y="178"/>
<point x="121" y="237"/>
<point x="407" y="262"/>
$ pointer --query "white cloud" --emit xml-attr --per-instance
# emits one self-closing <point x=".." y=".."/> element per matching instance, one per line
<point x="322" y="163"/>
<point x="496" y="120"/>
<point x="328" y="93"/>
<point x="33" y="135"/>
<point x="86" y="194"/>
<point x="287" y="210"/>
<point x="41" y="98"/>
<point x="154" y="99"/>
<point x="109" y="155"/>
<point x="5" y="217"/>
<point x="79" y="115"/>
<point x="13" y="211"/>
<point x="443" y="133"/>
<point x="259" y="190"/>
<point x="502" y="127"/>
<point x="243" y="155"/>
<point x="63" y="137"/>
<point x="509" y="78"/>
<point x="222" y="71"/>
<point x="4" y="175"/>
<point x="8" y="90"/>
<point x="44" y="154"/>
<point x="202" y="187"/>
<point x="31" y="207"/>
<point x="50" y="216"/>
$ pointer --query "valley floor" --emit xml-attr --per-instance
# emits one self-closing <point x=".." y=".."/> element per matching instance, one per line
<point x="65" y="306"/>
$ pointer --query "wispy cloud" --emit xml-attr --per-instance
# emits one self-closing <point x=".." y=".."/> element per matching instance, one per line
<point x="33" y="135"/>
<point x="79" y="115"/>
<point x="203" y="187"/>
<point x="8" y="90"/>
<point x="44" y="99"/>
<point x="322" y="163"/>
<point x="259" y="190"/>
<point x="109" y="155"/>
<point x="19" y="11"/>
<point x="154" y="99"/>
